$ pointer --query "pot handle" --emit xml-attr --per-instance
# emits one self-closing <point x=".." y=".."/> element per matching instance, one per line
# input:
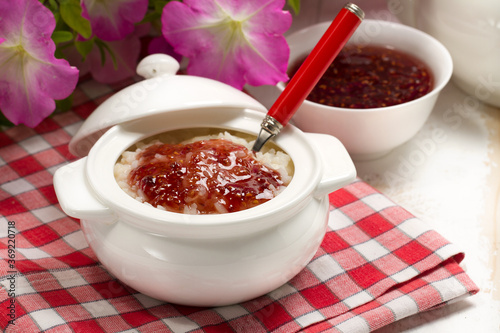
<point x="76" y="196"/>
<point x="338" y="168"/>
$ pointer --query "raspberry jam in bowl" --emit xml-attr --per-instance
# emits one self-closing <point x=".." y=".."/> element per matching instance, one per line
<point x="369" y="76"/>
<point x="379" y="92"/>
<point x="174" y="204"/>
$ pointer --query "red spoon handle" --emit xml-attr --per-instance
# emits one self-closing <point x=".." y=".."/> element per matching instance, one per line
<point x="315" y="65"/>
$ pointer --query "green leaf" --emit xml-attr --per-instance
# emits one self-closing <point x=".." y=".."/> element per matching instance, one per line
<point x="62" y="36"/>
<point x="63" y="105"/>
<point x="4" y="122"/>
<point x="71" y="13"/>
<point x="159" y="4"/>
<point x="53" y="5"/>
<point x="57" y="17"/>
<point x="295" y="4"/>
<point x="155" y="11"/>
<point x="103" y="47"/>
<point x="84" y="47"/>
<point x="149" y="17"/>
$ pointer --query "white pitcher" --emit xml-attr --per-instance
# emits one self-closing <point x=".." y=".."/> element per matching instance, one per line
<point x="471" y="32"/>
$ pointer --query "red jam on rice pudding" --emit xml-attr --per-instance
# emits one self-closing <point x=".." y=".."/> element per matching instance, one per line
<point x="209" y="174"/>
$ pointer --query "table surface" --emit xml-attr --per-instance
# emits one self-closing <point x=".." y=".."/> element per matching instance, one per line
<point x="452" y="182"/>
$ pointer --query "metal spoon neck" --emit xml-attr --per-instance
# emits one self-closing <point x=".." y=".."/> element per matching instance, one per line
<point x="270" y="127"/>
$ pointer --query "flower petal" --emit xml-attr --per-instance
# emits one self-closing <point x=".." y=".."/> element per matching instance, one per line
<point x="113" y="19"/>
<point x="28" y="89"/>
<point x="186" y="28"/>
<point x="231" y="41"/>
<point x="160" y="45"/>
<point x="266" y="58"/>
<point x="126" y="53"/>
<point x="265" y="16"/>
<point x="30" y="76"/>
<point x="207" y="64"/>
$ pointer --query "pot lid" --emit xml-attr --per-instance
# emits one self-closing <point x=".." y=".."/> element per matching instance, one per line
<point x="161" y="91"/>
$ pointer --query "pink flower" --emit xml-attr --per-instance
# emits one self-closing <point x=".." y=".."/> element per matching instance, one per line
<point x="126" y="54"/>
<point x="119" y="65"/>
<point x="235" y="42"/>
<point x="113" y="19"/>
<point x="160" y="45"/>
<point x="30" y="76"/>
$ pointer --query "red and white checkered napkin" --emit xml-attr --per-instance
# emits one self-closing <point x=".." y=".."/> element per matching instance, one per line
<point x="377" y="265"/>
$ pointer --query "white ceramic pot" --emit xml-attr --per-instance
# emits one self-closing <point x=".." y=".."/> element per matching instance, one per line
<point x="201" y="260"/>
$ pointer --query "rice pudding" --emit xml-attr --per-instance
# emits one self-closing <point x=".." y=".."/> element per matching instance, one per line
<point x="208" y="174"/>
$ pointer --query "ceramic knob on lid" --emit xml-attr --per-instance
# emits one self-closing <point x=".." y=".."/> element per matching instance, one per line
<point x="161" y="91"/>
<point x="157" y="65"/>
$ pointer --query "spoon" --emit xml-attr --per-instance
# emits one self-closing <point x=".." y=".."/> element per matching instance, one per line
<point x="309" y="73"/>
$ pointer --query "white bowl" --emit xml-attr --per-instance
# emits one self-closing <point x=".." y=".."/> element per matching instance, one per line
<point x="201" y="260"/>
<point x="368" y="133"/>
